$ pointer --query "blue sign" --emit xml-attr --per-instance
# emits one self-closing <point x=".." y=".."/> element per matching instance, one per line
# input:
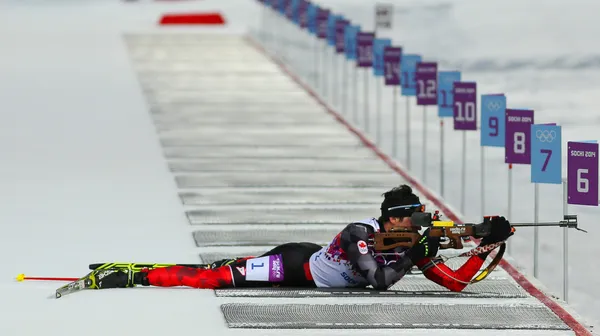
<point x="378" y="48"/>
<point x="350" y="41"/>
<point x="312" y="17"/>
<point x="445" y="98"/>
<point x="331" y="20"/>
<point x="408" y="71"/>
<point x="493" y="108"/>
<point x="296" y="11"/>
<point x="546" y="154"/>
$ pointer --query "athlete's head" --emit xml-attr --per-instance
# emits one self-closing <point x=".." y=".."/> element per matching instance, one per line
<point x="397" y="207"/>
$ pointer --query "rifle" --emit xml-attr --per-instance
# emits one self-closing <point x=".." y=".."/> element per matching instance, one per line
<point x="452" y="233"/>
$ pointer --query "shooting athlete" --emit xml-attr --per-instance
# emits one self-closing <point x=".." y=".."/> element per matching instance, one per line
<point x="348" y="261"/>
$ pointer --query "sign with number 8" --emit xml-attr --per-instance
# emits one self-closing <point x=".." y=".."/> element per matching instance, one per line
<point x="517" y="146"/>
<point x="582" y="173"/>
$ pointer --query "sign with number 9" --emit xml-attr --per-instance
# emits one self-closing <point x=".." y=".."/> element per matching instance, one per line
<point x="546" y="154"/>
<point x="582" y="173"/>
<point x="492" y="119"/>
<point x="517" y="143"/>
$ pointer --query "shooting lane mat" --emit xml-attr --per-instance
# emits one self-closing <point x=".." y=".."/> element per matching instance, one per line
<point x="258" y="162"/>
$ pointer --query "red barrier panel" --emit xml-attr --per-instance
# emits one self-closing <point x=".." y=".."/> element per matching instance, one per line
<point x="192" y="19"/>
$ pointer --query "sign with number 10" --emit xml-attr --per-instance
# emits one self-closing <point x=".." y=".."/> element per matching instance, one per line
<point x="493" y="107"/>
<point x="582" y="173"/>
<point x="546" y="154"/>
<point x="426" y="79"/>
<point x="465" y="106"/>
<point x="517" y="143"/>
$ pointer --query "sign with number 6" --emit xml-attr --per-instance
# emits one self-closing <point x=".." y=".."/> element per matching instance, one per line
<point x="582" y="173"/>
<point x="546" y="154"/>
<point x="517" y="146"/>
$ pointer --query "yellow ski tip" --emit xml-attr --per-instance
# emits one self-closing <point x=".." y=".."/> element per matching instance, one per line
<point x="21" y="277"/>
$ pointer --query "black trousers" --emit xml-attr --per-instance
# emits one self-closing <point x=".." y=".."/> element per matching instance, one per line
<point x="293" y="258"/>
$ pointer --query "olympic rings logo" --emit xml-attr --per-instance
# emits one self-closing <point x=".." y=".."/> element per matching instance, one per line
<point x="545" y="135"/>
<point x="493" y="106"/>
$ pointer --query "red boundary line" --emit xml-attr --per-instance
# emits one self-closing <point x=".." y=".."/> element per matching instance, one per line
<point x="565" y="316"/>
<point x="192" y="19"/>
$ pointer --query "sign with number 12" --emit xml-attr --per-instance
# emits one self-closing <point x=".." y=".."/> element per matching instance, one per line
<point x="426" y="79"/>
<point x="517" y="146"/>
<point x="546" y="153"/>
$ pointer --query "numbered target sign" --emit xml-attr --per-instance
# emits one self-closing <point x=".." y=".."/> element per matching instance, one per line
<point x="391" y="60"/>
<point x="331" y="29"/>
<point x="546" y="154"/>
<point x="517" y="143"/>
<point x="582" y="173"/>
<point x="340" y="27"/>
<point x="379" y="46"/>
<point x="408" y="70"/>
<point x="321" y="22"/>
<point x="364" y="51"/>
<point x="426" y="79"/>
<point x="303" y="13"/>
<point x="350" y="41"/>
<point x="493" y="107"/>
<point x="445" y="84"/>
<point x="311" y="15"/>
<point x="465" y="106"/>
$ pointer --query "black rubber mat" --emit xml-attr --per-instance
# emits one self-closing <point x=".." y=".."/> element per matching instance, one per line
<point x="281" y="152"/>
<point x="408" y="286"/>
<point x="393" y="316"/>
<point x="281" y="214"/>
<point x="283" y="165"/>
<point x="256" y="237"/>
<point x="384" y="181"/>
<point x="240" y="196"/>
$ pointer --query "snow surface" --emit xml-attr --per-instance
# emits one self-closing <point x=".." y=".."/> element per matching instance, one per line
<point x="83" y="172"/>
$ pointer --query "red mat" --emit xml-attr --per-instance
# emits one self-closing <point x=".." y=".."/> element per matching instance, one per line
<point x="192" y="19"/>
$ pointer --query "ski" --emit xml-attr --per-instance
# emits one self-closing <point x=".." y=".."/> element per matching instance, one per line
<point x="140" y="266"/>
<point x="85" y="282"/>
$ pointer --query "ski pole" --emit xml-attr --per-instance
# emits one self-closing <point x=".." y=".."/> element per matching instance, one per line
<point x="22" y="277"/>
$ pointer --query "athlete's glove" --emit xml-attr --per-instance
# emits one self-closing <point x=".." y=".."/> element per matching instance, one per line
<point x="425" y="247"/>
<point x="500" y="230"/>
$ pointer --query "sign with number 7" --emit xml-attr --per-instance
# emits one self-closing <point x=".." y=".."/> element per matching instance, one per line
<point x="517" y="143"/>
<point x="582" y="173"/>
<point x="546" y="154"/>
